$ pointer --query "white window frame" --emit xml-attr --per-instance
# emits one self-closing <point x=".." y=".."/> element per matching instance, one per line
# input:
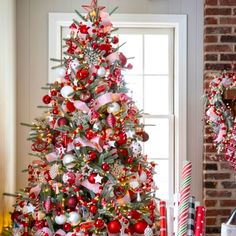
<point x="179" y="24"/>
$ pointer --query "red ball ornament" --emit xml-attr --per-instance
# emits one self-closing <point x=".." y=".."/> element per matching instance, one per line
<point x="92" y="155"/>
<point x="122" y="138"/>
<point x="114" y="227"/>
<point x="89" y="134"/>
<point x="105" y="167"/>
<point x="115" y="40"/>
<point x="53" y="93"/>
<point x="47" y="99"/>
<point x="55" y="111"/>
<point x="140" y="226"/>
<point x="123" y="152"/>
<point x="71" y="202"/>
<point x="123" y="59"/>
<point x="67" y="227"/>
<point x="99" y="223"/>
<point x="91" y="178"/>
<point x="134" y="214"/>
<point x="62" y="121"/>
<point x="82" y="73"/>
<point x="70" y="106"/>
<point x="145" y="136"/>
<point x="106" y="48"/>
<point x="93" y="209"/>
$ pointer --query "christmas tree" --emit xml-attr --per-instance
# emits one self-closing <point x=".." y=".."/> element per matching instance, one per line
<point x="88" y="175"/>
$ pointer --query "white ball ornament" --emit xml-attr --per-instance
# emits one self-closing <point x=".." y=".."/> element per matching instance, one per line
<point x="61" y="72"/>
<point x="101" y="72"/>
<point x="74" y="64"/>
<point x="60" y="220"/>
<point x="113" y="108"/>
<point x="74" y="218"/>
<point x="67" y="91"/>
<point x="134" y="184"/>
<point x="69" y="161"/>
<point x="136" y="148"/>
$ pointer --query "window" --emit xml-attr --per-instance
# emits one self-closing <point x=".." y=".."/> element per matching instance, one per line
<point x="158" y="81"/>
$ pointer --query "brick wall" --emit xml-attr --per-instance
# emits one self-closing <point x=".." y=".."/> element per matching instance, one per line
<point x="219" y="54"/>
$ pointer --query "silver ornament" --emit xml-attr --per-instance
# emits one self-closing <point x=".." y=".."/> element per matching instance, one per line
<point x="101" y="72"/>
<point x="74" y="218"/>
<point x="148" y="232"/>
<point x="69" y="161"/>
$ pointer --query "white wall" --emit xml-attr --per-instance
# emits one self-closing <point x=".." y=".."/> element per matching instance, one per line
<point x="7" y="106"/>
<point x="32" y="41"/>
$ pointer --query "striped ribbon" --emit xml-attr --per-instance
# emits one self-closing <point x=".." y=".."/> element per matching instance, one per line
<point x="184" y="199"/>
<point x="163" y="221"/>
<point x="176" y="206"/>
<point x="191" y="216"/>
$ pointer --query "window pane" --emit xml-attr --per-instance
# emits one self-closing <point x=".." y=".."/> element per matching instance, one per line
<point x="161" y="178"/>
<point x="133" y="48"/>
<point x="156" y="94"/>
<point x="158" y="143"/>
<point x="135" y="84"/>
<point x="156" y="54"/>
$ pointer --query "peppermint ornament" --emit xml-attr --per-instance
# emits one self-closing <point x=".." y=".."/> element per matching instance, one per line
<point x="111" y="120"/>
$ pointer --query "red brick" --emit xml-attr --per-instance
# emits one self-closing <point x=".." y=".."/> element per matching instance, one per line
<point x="211" y="21"/>
<point x="210" y="148"/>
<point x="228" y="57"/>
<point x="223" y="220"/>
<point x="211" y="39"/>
<point x="217" y="176"/>
<point x="210" y="184"/>
<point x="218" y="193"/>
<point x="211" y="2"/>
<point x="228" y="20"/>
<point x="208" y="166"/>
<point x="211" y="221"/>
<point x="225" y="166"/>
<point x="218" y="11"/>
<point x="210" y="203"/>
<point x="208" y="139"/>
<point x="218" y="212"/>
<point x="228" y="38"/>
<point x="228" y="203"/>
<point x="229" y="184"/>
<point x="218" y="48"/>
<point x="218" y="30"/>
<point x="228" y="2"/>
<point x="217" y="66"/>
<point x="212" y="230"/>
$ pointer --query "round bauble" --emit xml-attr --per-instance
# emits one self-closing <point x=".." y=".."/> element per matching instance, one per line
<point x="99" y="223"/>
<point x="140" y="226"/>
<point x="123" y="59"/>
<point x="74" y="218"/>
<point x="93" y="209"/>
<point x="62" y="121"/>
<point x="105" y="167"/>
<point x="85" y="97"/>
<point x="113" y="108"/>
<point x="114" y="227"/>
<point x="136" y="148"/>
<point x="44" y="231"/>
<point x="101" y="72"/>
<point x="69" y="177"/>
<point x="70" y="106"/>
<point x="82" y="73"/>
<point x="134" y="184"/>
<point x="92" y="155"/>
<point x="148" y="232"/>
<point x="60" y="220"/>
<point x="97" y="126"/>
<point x="67" y="91"/>
<point x="67" y="227"/>
<point x="61" y="72"/>
<point x="74" y="64"/>
<point x="69" y="160"/>
<point x="71" y="202"/>
<point x="46" y="99"/>
<point x="91" y="178"/>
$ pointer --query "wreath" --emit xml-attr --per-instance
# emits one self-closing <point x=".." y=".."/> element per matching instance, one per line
<point x="220" y="116"/>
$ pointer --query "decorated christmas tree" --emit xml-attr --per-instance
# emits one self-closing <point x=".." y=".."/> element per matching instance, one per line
<point x="88" y="175"/>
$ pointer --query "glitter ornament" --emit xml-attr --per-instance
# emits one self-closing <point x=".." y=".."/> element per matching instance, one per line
<point x="136" y="148"/>
<point x="148" y="232"/>
<point x="54" y="171"/>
